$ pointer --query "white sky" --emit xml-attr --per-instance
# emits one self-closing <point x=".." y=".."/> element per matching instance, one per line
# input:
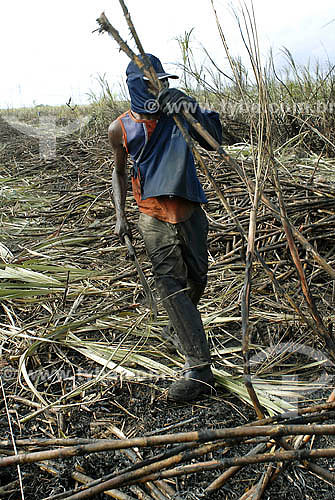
<point x="49" y="53"/>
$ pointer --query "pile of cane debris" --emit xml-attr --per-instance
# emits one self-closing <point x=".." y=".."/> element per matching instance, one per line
<point x="77" y="337"/>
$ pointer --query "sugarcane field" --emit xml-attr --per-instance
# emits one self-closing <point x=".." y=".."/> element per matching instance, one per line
<point x="115" y="381"/>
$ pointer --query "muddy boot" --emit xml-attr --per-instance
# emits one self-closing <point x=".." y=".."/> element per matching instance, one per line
<point x="187" y="325"/>
<point x="172" y="342"/>
<point x="186" y="321"/>
<point x="168" y="333"/>
<point x="195" y="382"/>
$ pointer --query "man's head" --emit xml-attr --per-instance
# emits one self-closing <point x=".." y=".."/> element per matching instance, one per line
<point x="141" y="90"/>
<point x="133" y="70"/>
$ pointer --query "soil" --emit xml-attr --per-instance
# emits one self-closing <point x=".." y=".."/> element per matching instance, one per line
<point x="141" y="409"/>
<point x="148" y="412"/>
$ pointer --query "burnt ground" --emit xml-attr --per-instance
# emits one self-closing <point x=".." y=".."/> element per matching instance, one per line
<point x="142" y="410"/>
<point x="138" y="409"/>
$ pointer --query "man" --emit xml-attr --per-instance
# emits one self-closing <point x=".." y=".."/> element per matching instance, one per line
<point x="172" y="223"/>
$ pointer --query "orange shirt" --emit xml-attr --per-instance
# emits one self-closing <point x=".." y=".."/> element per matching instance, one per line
<point x="171" y="209"/>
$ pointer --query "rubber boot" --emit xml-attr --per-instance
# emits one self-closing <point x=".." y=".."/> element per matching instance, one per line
<point x="172" y="342"/>
<point x="195" y="292"/>
<point x="186" y="322"/>
<point x="195" y="382"/>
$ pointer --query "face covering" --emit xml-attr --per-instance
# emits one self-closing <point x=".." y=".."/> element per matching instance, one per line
<point x="141" y="99"/>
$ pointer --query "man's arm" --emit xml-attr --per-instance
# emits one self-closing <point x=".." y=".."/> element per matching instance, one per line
<point x="210" y="121"/>
<point x="174" y="101"/>
<point x="119" y="179"/>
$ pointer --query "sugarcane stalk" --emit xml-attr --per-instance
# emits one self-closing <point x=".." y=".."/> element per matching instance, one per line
<point x="324" y="473"/>
<point x="132" y="477"/>
<point x="262" y="483"/>
<point x="223" y="478"/>
<point x="83" y="478"/>
<point x="247" y="495"/>
<point x="322" y="330"/>
<point x="294" y="414"/>
<point x="167" y="491"/>
<point x="72" y="442"/>
<point x="147" y="64"/>
<point x="320" y="471"/>
<point x="279" y="456"/>
<point x="273" y="431"/>
<point x="245" y="305"/>
<point x="174" y="451"/>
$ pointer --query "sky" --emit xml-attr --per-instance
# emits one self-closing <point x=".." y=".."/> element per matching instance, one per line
<point x="50" y="53"/>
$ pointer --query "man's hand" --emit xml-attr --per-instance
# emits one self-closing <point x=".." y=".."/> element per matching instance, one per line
<point x="122" y="228"/>
<point x="173" y="101"/>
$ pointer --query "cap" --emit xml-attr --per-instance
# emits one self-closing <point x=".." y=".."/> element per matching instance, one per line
<point x="133" y="69"/>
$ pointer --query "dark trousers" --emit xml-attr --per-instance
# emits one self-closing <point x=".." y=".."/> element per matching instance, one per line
<point x="178" y="253"/>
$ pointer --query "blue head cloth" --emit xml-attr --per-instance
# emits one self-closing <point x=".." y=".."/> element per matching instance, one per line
<point x="142" y="101"/>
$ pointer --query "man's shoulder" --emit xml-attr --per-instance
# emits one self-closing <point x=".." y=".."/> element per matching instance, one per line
<point x="115" y="131"/>
<point x="115" y="125"/>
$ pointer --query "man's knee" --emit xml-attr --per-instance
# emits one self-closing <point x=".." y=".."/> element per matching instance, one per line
<point x="168" y="286"/>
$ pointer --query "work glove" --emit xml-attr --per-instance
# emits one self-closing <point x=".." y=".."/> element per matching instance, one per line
<point x="172" y="101"/>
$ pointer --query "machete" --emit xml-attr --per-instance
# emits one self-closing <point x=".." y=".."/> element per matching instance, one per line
<point x="147" y="290"/>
